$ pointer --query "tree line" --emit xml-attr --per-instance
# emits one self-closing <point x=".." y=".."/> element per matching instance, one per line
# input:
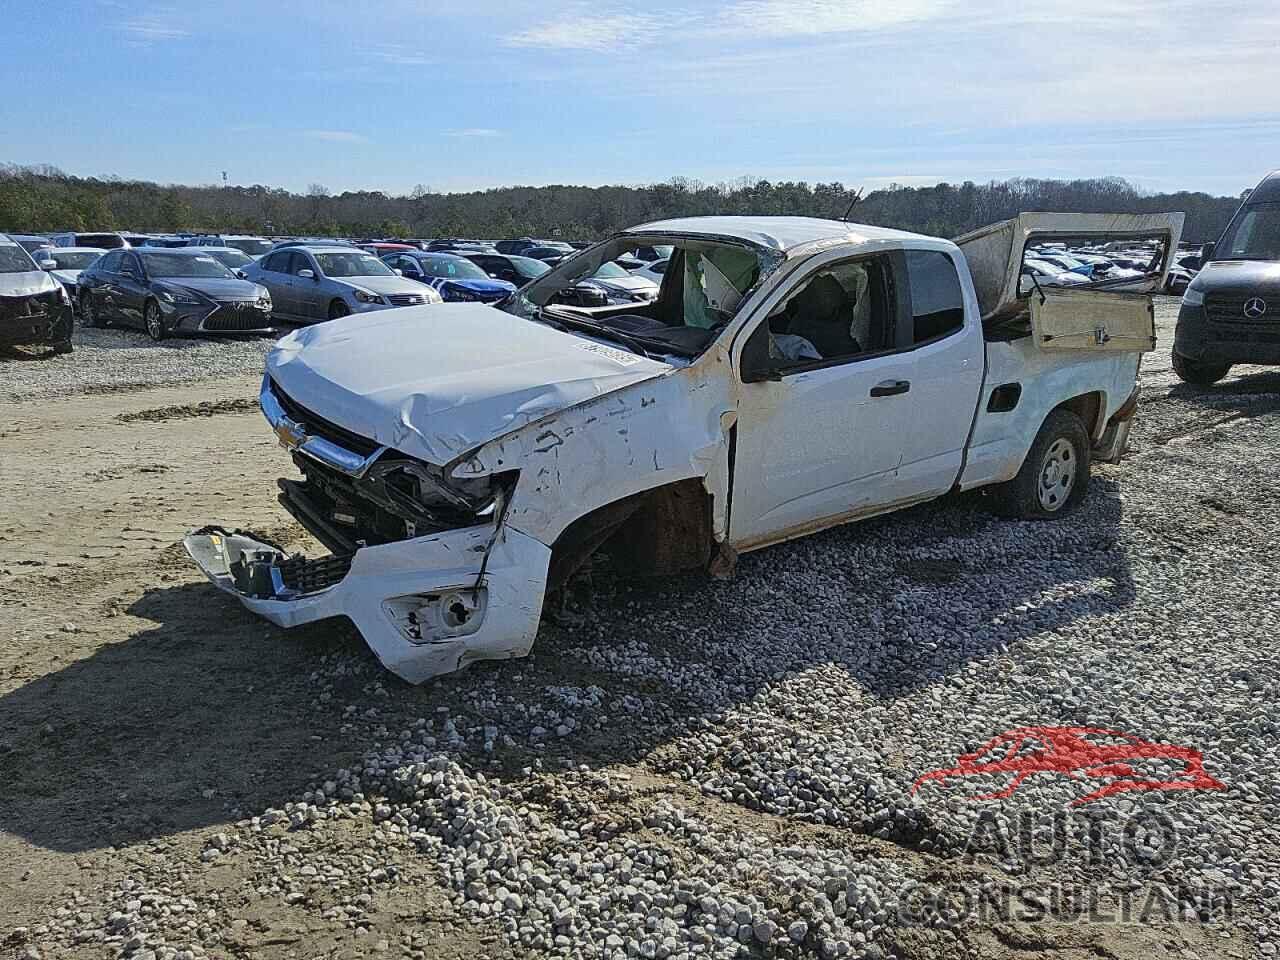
<point x="43" y="199"/>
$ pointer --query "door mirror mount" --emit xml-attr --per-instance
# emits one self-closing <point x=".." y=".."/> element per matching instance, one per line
<point x="1206" y="253"/>
<point x="48" y="264"/>
<point x="306" y="274"/>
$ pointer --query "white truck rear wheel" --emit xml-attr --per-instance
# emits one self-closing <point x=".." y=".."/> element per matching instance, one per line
<point x="1055" y="475"/>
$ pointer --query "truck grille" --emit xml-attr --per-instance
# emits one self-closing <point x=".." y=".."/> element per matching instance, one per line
<point x="317" y="426"/>
<point x="311" y="576"/>
<point x="1225" y="308"/>
<point x="406" y="299"/>
<point x="237" y="316"/>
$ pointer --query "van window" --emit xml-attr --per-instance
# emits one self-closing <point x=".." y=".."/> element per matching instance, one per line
<point x="1254" y="235"/>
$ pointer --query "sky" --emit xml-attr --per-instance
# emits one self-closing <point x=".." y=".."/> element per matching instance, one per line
<point x="389" y="94"/>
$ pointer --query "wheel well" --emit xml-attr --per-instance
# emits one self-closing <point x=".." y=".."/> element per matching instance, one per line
<point x="660" y="531"/>
<point x="1088" y="407"/>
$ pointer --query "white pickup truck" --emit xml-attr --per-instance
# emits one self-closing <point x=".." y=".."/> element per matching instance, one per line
<point x="460" y="461"/>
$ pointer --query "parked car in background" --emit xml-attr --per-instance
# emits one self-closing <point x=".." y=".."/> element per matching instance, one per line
<point x="515" y="247"/>
<point x="35" y="309"/>
<point x="231" y="258"/>
<point x="1035" y="271"/>
<point x="1067" y="262"/>
<point x="30" y="242"/>
<point x="455" y="278"/>
<point x="654" y="270"/>
<point x="513" y="269"/>
<point x="103" y="241"/>
<point x="458" y="246"/>
<point x="167" y="240"/>
<point x="251" y="246"/>
<point x="171" y="291"/>
<point x="620" y="284"/>
<point x="549" y="253"/>
<point x="310" y="284"/>
<point x="380" y="248"/>
<point x="67" y="265"/>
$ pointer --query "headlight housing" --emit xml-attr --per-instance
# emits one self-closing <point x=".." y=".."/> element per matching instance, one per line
<point x="364" y="296"/>
<point x="179" y="297"/>
<point x="1193" y="297"/>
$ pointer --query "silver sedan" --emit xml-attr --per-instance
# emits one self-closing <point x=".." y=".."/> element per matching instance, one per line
<point x="310" y="284"/>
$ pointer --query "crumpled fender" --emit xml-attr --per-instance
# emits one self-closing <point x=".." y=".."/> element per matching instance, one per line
<point x="633" y="439"/>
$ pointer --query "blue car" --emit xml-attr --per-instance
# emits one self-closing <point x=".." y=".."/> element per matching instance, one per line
<point x="455" y="278"/>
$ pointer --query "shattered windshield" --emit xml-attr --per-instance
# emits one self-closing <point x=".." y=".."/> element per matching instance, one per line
<point x="705" y="282"/>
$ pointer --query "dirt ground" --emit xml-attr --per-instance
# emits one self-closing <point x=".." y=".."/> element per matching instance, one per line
<point x="140" y="712"/>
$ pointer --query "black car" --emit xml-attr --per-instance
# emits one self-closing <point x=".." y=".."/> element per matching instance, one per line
<point x="549" y="252"/>
<point x="1231" y="310"/>
<point x="168" y="291"/>
<point x="515" y="270"/>
<point x="515" y="247"/>
<point x="34" y="307"/>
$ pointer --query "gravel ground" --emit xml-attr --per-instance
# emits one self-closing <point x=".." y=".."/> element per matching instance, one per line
<point x="714" y="769"/>
<point x="115" y="360"/>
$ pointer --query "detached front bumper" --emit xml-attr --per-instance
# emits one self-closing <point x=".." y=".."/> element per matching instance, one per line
<point x="426" y="606"/>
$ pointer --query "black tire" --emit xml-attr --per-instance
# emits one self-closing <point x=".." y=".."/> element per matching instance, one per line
<point x="89" y="313"/>
<point x="1055" y="476"/>
<point x="338" y="309"/>
<point x="153" y="320"/>
<point x="62" y="347"/>
<point x="1197" y="372"/>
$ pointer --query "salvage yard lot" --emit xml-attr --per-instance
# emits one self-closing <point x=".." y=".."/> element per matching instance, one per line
<point x="683" y="767"/>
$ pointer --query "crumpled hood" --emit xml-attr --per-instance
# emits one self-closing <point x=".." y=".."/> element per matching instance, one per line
<point x="435" y="382"/>
<point x="66" y="276"/>
<point x="26" y="284"/>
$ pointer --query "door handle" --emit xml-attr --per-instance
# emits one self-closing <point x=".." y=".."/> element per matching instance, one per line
<point x="890" y="388"/>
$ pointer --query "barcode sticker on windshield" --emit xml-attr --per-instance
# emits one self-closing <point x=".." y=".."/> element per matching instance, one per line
<point x="617" y="356"/>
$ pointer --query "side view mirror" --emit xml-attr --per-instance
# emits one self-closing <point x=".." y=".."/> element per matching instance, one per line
<point x="240" y="274"/>
<point x="757" y="365"/>
<point x="1206" y="252"/>
<point x="307" y="274"/>
<point x="398" y="272"/>
<point x="1025" y="285"/>
<point x="48" y="264"/>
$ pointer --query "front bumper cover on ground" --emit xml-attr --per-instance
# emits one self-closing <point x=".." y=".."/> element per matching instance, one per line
<point x="426" y="606"/>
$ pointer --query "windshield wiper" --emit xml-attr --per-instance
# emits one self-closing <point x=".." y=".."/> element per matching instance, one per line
<point x="587" y="326"/>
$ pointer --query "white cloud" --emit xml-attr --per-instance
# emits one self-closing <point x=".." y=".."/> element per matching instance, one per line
<point x="400" y="55"/>
<point x="154" y="28"/>
<point x="474" y="132"/>
<point x="783" y="18"/>
<point x="336" y="136"/>
<point x="599" y="32"/>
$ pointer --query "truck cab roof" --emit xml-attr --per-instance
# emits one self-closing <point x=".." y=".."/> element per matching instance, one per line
<point x="777" y="233"/>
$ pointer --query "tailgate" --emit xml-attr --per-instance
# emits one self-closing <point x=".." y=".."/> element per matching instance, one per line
<point x="1093" y="321"/>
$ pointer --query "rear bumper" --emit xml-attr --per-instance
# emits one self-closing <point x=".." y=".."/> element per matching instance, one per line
<point x="415" y="602"/>
<point x="1198" y="338"/>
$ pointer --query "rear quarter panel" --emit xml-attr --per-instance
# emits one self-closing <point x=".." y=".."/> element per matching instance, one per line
<point x="1001" y="440"/>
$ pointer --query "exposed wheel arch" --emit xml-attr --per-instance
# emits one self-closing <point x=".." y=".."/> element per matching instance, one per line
<point x="657" y="532"/>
